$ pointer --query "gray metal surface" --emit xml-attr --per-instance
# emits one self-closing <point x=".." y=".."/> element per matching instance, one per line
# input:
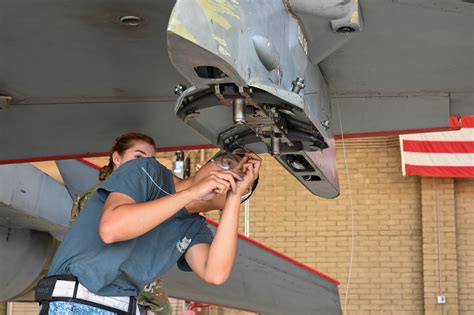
<point x="461" y="104"/>
<point x="79" y="52"/>
<point x="261" y="282"/>
<point x="87" y="77"/>
<point x="30" y="199"/>
<point x="421" y="47"/>
<point x="78" y="177"/>
<point x="57" y="129"/>
<point x="25" y="257"/>
<point x="322" y="8"/>
<point x="377" y="114"/>
<point x="70" y="57"/>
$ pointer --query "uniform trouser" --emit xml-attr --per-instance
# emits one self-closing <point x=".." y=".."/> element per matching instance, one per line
<point x="76" y="308"/>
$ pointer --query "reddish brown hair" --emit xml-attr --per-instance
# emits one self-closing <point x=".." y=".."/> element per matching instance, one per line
<point x="122" y="144"/>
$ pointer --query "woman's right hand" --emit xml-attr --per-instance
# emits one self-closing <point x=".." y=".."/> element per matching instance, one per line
<point x="216" y="183"/>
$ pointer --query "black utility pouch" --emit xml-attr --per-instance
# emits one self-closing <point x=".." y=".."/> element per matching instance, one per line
<point x="45" y="287"/>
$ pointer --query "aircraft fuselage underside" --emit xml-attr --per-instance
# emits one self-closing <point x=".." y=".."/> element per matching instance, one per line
<point x="254" y="85"/>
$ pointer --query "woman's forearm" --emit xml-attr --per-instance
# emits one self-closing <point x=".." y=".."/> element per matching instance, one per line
<point x="131" y="220"/>
<point x="224" y="246"/>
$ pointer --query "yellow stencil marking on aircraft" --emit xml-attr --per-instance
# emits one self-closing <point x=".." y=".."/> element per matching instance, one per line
<point x="220" y="40"/>
<point x="181" y="30"/>
<point x="222" y="45"/>
<point x="355" y="15"/>
<point x="355" y="18"/>
<point x="216" y="9"/>
<point x="223" y="51"/>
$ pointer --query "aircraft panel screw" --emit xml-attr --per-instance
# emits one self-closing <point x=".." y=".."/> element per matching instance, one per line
<point x="297" y="85"/>
<point x="179" y="89"/>
<point x="325" y="123"/>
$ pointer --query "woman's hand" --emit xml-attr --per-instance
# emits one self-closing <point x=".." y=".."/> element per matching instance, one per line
<point x="250" y="168"/>
<point x="216" y="183"/>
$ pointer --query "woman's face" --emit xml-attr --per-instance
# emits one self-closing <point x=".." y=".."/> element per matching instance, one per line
<point x="139" y="149"/>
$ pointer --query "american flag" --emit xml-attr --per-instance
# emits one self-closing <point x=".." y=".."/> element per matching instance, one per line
<point x="440" y="154"/>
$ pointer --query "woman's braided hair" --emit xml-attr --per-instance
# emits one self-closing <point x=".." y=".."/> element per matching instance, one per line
<point x="121" y="144"/>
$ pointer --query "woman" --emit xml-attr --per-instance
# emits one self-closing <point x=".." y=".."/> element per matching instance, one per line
<point x="149" y="221"/>
<point x="153" y="298"/>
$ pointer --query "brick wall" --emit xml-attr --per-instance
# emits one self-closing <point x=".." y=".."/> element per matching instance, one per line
<point x="387" y="263"/>
<point x="464" y="201"/>
<point x="439" y="245"/>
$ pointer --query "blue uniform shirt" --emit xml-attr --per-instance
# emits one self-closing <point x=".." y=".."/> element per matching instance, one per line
<point x="124" y="268"/>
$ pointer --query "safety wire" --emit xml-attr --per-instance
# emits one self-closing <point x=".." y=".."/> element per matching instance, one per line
<point x="149" y="176"/>
<point x="346" y="298"/>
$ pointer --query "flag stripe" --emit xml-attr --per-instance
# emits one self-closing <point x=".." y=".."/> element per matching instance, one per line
<point x="467" y="122"/>
<point x="439" y="159"/>
<point x="465" y="134"/>
<point x="440" y="154"/>
<point x="440" y="171"/>
<point x="438" y="146"/>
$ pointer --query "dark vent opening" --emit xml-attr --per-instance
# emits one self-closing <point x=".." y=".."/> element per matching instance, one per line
<point x="209" y="72"/>
<point x="298" y="163"/>
<point x="312" y="178"/>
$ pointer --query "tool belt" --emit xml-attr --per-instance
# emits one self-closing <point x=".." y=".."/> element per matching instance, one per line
<point x="67" y="288"/>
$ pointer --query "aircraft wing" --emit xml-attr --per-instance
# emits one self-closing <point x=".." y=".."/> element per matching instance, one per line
<point x="263" y="281"/>
<point x="73" y="77"/>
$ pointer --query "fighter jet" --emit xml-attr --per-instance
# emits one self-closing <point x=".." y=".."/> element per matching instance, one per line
<point x="285" y="77"/>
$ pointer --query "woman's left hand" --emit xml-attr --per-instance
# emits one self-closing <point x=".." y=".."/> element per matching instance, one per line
<point x="250" y="170"/>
